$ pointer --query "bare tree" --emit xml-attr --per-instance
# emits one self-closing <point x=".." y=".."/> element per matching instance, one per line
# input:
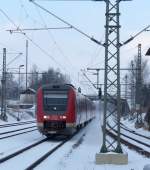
<point x="50" y="76"/>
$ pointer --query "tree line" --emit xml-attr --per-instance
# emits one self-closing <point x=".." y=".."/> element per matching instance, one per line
<point x="34" y="81"/>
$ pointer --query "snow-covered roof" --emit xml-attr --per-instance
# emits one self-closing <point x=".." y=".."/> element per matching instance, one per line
<point x="28" y="91"/>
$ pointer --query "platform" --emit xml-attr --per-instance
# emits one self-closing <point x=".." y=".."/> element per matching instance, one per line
<point x="111" y="158"/>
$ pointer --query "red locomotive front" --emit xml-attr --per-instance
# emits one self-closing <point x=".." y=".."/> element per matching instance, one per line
<point x="55" y="108"/>
<point x="61" y="109"/>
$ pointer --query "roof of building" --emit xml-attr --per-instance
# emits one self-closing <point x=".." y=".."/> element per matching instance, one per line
<point x="28" y="91"/>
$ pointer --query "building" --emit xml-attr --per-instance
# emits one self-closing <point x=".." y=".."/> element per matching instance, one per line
<point x="28" y="96"/>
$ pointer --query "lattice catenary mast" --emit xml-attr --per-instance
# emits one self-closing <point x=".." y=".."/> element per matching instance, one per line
<point x="138" y="84"/>
<point x="112" y="73"/>
<point x="3" y="115"/>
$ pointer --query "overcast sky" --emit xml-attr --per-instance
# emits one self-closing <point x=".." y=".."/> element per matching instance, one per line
<point x="70" y="50"/>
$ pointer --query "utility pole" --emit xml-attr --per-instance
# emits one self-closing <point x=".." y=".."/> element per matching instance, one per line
<point x="126" y="93"/>
<point x="97" y="74"/>
<point x="19" y="88"/>
<point x="126" y="86"/>
<point x="97" y="83"/>
<point x="112" y="72"/>
<point x="112" y="85"/>
<point x="112" y="80"/>
<point x="132" y="87"/>
<point x="3" y="99"/>
<point x="26" y="64"/>
<point x="138" y="85"/>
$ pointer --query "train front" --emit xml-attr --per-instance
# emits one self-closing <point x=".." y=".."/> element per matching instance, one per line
<point x="55" y="109"/>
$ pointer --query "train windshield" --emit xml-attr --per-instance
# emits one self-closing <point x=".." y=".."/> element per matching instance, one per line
<point x="55" y="102"/>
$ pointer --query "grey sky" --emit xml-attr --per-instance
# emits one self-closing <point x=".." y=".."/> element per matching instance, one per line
<point x="71" y="50"/>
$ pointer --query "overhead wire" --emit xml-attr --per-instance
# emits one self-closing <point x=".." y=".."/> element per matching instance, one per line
<point x="10" y="62"/>
<point x="15" y="58"/>
<point x="67" y="23"/>
<point x="96" y="55"/>
<point x="90" y="84"/>
<point x="34" y="43"/>
<point x="56" y="44"/>
<point x="62" y="20"/>
<point x="60" y="50"/>
<point x="54" y="41"/>
<point x="30" y="39"/>
<point x="26" y="12"/>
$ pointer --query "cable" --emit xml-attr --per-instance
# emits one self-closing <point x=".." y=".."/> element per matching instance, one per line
<point x="67" y="23"/>
<point x="69" y="63"/>
<point x="53" y="39"/>
<point x="96" y="54"/>
<point x="26" y="12"/>
<point x="35" y="44"/>
<point x="14" y="59"/>
<point x="37" y="29"/>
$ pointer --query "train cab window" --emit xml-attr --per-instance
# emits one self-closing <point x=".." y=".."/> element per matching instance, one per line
<point x="55" y="102"/>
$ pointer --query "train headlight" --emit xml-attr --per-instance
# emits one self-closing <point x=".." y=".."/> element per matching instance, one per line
<point x="45" y="117"/>
<point x="64" y="117"/>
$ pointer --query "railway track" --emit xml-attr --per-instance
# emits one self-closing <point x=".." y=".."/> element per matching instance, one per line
<point x="137" y="145"/>
<point x="41" y="151"/>
<point x="6" y="158"/>
<point x="46" y="146"/>
<point x="133" y="132"/>
<point x="47" y="154"/>
<point x="13" y="132"/>
<point x="17" y="131"/>
<point x="17" y="124"/>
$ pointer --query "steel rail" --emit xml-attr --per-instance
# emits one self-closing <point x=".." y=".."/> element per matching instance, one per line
<point x="18" y="134"/>
<point x="6" y="158"/>
<point x="16" y="130"/>
<point x="50" y="152"/>
<point x="138" y="134"/>
<point x="129" y="144"/>
<point x="16" y="124"/>
<point x="132" y="131"/>
<point x="138" y="141"/>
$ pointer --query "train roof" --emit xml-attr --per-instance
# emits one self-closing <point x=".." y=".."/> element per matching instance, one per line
<point x="57" y="86"/>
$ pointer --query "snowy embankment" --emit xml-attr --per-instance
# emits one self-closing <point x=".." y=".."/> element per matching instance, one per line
<point x="19" y="115"/>
<point x="77" y="154"/>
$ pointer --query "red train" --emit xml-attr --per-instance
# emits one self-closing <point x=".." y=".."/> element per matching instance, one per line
<point x="61" y="109"/>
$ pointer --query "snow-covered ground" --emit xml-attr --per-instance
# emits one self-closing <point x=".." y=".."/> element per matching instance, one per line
<point x="131" y="125"/>
<point x="23" y="114"/>
<point x="77" y="154"/>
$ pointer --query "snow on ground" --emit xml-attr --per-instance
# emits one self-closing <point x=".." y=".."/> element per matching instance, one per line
<point x="131" y="125"/>
<point x="22" y="114"/>
<point x="82" y="157"/>
<point x="12" y="144"/>
<point x="77" y="154"/>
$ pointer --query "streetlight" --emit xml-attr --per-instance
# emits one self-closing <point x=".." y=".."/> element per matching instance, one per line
<point x="18" y="119"/>
<point x="19" y="81"/>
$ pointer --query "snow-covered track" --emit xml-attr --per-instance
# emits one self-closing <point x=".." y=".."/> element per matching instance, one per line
<point x="131" y="142"/>
<point x="24" y="130"/>
<point x="17" y="124"/>
<point x="6" y="158"/>
<point x="50" y="152"/>
<point x="133" y="132"/>
<point x="130" y="145"/>
<point x="11" y="131"/>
